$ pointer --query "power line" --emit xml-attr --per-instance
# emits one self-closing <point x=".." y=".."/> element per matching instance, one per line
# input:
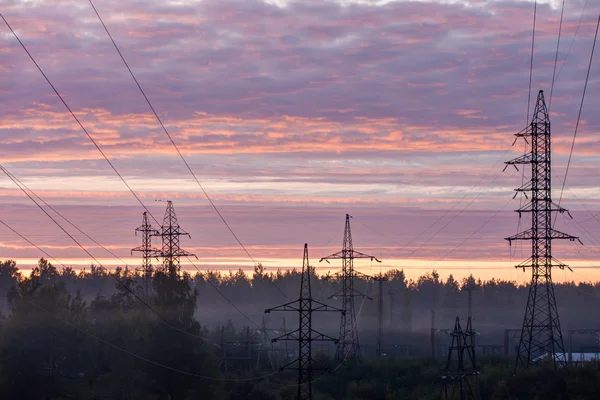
<point x="472" y="234"/>
<point x="454" y="217"/>
<point x="573" y="39"/>
<point x="75" y="117"/>
<point x="139" y="357"/>
<point x="562" y="11"/>
<point x="114" y="255"/>
<point x="225" y="297"/>
<point x="31" y="243"/>
<point x="447" y="211"/>
<point x="60" y="263"/>
<point x="531" y="63"/>
<point x="96" y="260"/>
<point x="587" y="77"/>
<point x="111" y="164"/>
<point x="169" y="135"/>
<point x="66" y="219"/>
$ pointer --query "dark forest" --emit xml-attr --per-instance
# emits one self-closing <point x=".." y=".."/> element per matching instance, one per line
<point x="98" y="335"/>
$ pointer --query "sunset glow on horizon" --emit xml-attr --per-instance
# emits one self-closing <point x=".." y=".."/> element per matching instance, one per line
<point x="399" y="113"/>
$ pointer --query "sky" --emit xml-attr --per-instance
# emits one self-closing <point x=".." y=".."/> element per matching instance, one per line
<point x="292" y="114"/>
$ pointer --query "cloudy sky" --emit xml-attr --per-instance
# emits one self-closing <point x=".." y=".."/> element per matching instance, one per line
<point x="292" y="114"/>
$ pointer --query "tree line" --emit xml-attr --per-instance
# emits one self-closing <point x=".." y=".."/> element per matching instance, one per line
<point x="92" y="334"/>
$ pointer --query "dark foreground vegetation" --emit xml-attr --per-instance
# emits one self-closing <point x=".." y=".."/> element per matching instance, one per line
<point x="84" y="336"/>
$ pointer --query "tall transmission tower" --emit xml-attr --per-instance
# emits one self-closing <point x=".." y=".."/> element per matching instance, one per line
<point x="170" y="252"/>
<point x="147" y="250"/>
<point x="461" y="381"/>
<point x="541" y="337"/>
<point x="305" y="334"/>
<point x="348" y="345"/>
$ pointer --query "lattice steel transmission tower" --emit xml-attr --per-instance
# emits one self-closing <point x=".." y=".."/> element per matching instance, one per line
<point x="461" y="380"/>
<point x="148" y="252"/>
<point x="348" y="344"/>
<point x="305" y="334"/>
<point x="541" y="337"/>
<point x="170" y="252"/>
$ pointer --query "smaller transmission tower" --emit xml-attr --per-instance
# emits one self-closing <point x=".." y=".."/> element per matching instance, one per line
<point x="461" y="380"/>
<point x="305" y="334"/>
<point x="348" y="344"/>
<point x="170" y="233"/>
<point x="147" y="250"/>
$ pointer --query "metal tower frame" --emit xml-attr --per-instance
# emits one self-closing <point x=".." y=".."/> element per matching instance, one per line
<point x="246" y="345"/>
<point x="170" y="252"/>
<point x="541" y="337"/>
<point x="458" y="378"/>
<point x="147" y="250"/>
<point x="348" y="345"/>
<point x="305" y="334"/>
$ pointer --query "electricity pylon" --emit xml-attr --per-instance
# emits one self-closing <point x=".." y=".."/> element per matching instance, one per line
<point x="170" y="252"/>
<point x="461" y="381"/>
<point x="305" y="334"/>
<point x="348" y="345"/>
<point x="147" y="250"/>
<point x="541" y="337"/>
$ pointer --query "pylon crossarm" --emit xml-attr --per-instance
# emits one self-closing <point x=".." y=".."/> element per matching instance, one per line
<point x="318" y="336"/>
<point x="287" y="336"/>
<point x="337" y="255"/>
<point x="323" y="307"/>
<point x="151" y="250"/>
<point x="554" y="234"/>
<point x="553" y="264"/>
<point x="560" y="235"/>
<point x="523" y="132"/>
<point x="356" y="293"/>
<point x="358" y="273"/>
<point x="349" y="254"/>
<point x="285" y="307"/>
<point x="358" y="254"/>
<point x="560" y="209"/>
<point x="524" y="159"/>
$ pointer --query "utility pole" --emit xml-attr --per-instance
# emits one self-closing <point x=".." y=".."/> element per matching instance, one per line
<point x="305" y="334"/>
<point x="391" y="293"/>
<point x="541" y="336"/>
<point x="348" y="345"/>
<point x="432" y="328"/>
<point x="457" y="381"/>
<point x="509" y="334"/>
<point x="147" y="250"/>
<point x="170" y="252"/>
<point x="378" y="348"/>
<point x="469" y="287"/>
